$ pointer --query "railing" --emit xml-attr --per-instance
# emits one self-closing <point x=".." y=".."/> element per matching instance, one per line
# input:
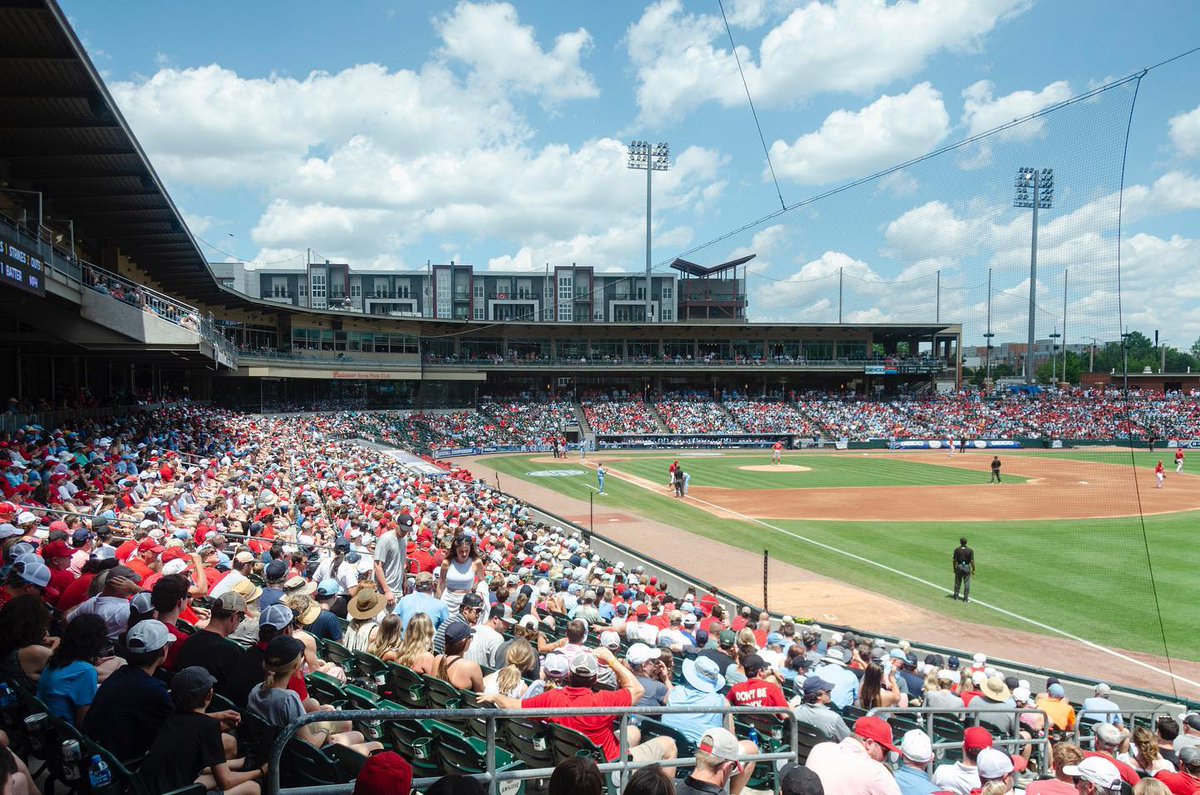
<point x="492" y="776"/>
<point x="675" y="362"/>
<point x="961" y="712"/>
<point x="56" y="417"/>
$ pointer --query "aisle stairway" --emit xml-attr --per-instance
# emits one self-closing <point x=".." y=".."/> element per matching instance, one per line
<point x="658" y="420"/>
<point x="585" y="430"/>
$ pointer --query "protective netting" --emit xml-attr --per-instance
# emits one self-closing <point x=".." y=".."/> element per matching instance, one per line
<point x="918" y="243"/>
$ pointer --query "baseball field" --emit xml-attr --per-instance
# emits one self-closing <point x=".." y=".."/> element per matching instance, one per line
<point x="1078" y="540"/>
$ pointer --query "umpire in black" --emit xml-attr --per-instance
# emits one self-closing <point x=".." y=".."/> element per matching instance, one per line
<point x="964" y="568"/>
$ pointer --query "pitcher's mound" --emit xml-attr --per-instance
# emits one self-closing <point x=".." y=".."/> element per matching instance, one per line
<point x="776" y="468"/>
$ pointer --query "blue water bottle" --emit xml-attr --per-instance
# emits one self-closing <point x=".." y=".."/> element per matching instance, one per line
<point x="754" y="736"/>
<point x="99" y="776"/>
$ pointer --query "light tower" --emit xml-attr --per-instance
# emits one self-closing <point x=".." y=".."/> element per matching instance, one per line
<point x="1035" y="190"/>
<point x="650" y="158"/>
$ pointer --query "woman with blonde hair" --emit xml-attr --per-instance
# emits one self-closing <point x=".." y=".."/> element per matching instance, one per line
<point x="1143" y="755"/>
<point x="272" y="701"/>
<point x="388" y="639"/>
<point x="416" y="650"/>
<point x="1151" y="786"/>
<point x="507" y="681"/>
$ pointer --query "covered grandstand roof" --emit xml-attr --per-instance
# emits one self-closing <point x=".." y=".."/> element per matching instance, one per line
<point x="692" y="269"/>
<point x="61" y="134"/>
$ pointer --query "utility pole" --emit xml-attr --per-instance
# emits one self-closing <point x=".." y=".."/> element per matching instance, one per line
<point x="1064" y="334"/>
<point x="988" y="336"/>
<point x="841" y="278"/>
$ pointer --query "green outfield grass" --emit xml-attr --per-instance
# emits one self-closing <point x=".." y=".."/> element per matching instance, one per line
<point x="1091" y="579"/>
<point x="828" y="471"/>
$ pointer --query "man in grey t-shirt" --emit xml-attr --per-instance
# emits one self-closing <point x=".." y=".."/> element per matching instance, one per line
<point x="390" y="561"/>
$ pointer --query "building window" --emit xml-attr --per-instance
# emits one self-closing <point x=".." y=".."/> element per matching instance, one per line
<point x="479" y="313"/>
<point x="355" y="289"/>
<point x="318" y="285"/>
<point x="668" y="315"/>
<point x="303" y="289"/>
<point x="564" y="312"/>
<point x="667" y="292"/>
<point x="479" y="289"/>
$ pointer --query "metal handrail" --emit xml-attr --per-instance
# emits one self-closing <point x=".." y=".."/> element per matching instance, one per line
<point x="1131" y="714"/>
<point x="961" y="712"/>
<point x="492" y="777"/>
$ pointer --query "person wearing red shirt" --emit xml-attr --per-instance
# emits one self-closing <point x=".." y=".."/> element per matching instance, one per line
<point x="741" y="620"/>
<point x="1187" y="780"/>
<point x="1108" y="741"/>
<point x="57" y="555"/>
<point x="145" y="562"/>
<point x="761" y="688"/>
<point x="579" y="693"/>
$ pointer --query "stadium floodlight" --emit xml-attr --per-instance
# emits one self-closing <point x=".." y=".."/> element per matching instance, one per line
<point x="1034" y="191"/>
<point x="649" y="158"/>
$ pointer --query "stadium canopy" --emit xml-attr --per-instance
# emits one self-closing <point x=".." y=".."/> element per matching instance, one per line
<point x="62" y="135"/>
<point x="692" y="269"/>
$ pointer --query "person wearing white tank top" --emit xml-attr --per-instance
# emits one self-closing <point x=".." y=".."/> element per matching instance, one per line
<point x="460" y="572"/>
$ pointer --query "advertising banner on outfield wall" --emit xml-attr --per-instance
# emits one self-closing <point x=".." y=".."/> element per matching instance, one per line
<point x="942" y="444"/>
<point x="1187" y="444"/>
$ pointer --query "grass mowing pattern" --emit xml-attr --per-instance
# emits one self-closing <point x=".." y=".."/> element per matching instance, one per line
<point x="1089" y="578"/>
<point x="828" y="471"/>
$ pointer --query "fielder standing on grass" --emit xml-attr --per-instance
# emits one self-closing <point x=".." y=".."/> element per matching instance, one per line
<point x="1178" y="460"/>
<point x="1159" y="475"/>
<point x="600" y="472"/>
<point x="964" y="569"/>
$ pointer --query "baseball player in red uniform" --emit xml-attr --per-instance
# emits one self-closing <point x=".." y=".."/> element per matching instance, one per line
<point x="1178" y="459"/>
<point x="1159" y="475"/>
<point x="777" y="452"/>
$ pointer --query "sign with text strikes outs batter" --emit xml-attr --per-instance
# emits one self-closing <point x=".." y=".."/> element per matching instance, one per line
<point x="21" y="268"/>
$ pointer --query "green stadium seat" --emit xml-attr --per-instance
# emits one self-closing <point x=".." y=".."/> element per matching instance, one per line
<point x="568" y="743"/>
<point x="255" y="738"/>
<point x="414" y="740"/>
<point x="529" y="741"/>
<point x="304" y="765"/>
<point x="370" y="670"/>
<point x="406" y="686"/>
<point x="351" y="761"/>
<point x="325" y="689"/>
<point x="339" y="655"/>
<point x="442" y="694"/>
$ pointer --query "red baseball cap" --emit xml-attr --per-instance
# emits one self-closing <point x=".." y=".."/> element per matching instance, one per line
<point x="56" y="549"/>
<point x="387" y="773"/>
<point x="876" y="729"/>
<point x="174" y="553"/>
<point x="976" y="738"/>
<point x="150" y="545"/>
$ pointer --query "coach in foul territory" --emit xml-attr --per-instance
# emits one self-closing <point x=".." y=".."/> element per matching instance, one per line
<point x="964" y="569"/>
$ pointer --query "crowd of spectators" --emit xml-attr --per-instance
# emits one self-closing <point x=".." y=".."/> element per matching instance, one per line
<point x="153" y="562"/>
<point x="533" y="420"/>
<point x="618" y="413"/>
<point x="695" y="412"/>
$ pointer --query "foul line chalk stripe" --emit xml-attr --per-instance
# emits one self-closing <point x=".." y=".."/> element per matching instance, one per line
<point x="944" y="589"/>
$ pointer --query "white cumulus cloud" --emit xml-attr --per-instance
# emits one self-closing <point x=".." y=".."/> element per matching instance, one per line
<point x="852" y="144"/>
<point x="1185" y="133"/>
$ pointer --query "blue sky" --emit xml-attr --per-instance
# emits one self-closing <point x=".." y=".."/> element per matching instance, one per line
<point x="388" y="134"/>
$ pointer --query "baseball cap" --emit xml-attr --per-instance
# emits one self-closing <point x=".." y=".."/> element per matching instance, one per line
<point x="946" y="675"/>
<point x="796" y="779"/>
<point x="277" y="615"/>
<point x="610" y="639"/>
<point x="244" y="557"/>
<point x="835" y="655"/>
<point x="876" y="729"/>
<point x="297" y="584"/>
<point x="556" y="666"/>
<point x="192" y="679"/>
<point x="976" y="738"/>
<point x="1096" y="770"/>
<point x="994" y="763"/>
<point x="585" y="664"/>
<point x="1102" y="689"/>
<point x="1189" y="756"/>
<point x="8" y="531"/>
<point x="916" y="746"/>
<point x="150" y="545"/>
<point x="56" y="549"/>
<point x="276" y="570"/>
<point x="229" y="602"/>
<point x="727" y="638"/>
<point x="248" y="590"/>
<point x="1056" y="691"/>
<point x="721" y="744"/>
<point x="775" y="639"/>
<point x="814" y="685"/>
<point x="384" y="774"/>
<point x="458" y="631"/>
<point x="148" y="635"/>
<point x="424" y="578"/>
<point x="35" y="573"/>
<point x="81" y="535"/>
<point x="1107" y="733"/>
<point x="328" y="587"/>
<point x="141" y="603"/>
<point x="282" y="649"/>
<point x="472" y="600"/>
<point x="640" y="654"/>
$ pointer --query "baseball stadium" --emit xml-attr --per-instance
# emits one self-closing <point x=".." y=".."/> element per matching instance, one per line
<point x="462" y="528"/>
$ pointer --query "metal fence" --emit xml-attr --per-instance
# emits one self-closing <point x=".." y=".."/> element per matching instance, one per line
<point x="493" y="777"/>
<point x="959" y="713"/>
